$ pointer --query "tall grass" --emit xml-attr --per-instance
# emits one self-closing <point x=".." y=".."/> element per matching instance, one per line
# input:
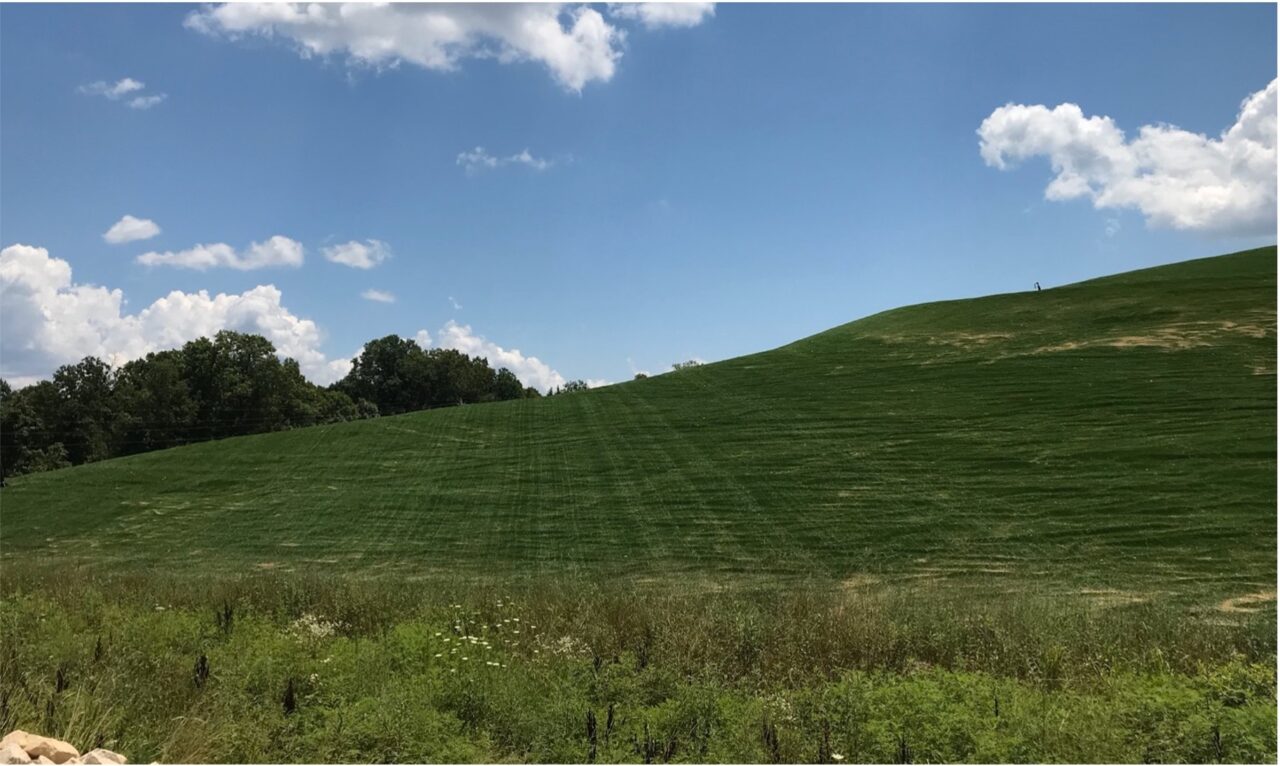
<point x="282" y="668"/>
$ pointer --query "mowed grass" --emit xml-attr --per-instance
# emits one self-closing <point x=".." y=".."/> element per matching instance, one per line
<point x="1115" y="438"/>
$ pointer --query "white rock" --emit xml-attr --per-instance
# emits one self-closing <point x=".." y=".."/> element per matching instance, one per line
<point x="44" y="760"/>
<point x="11" y="752"/>
<point x="54" y="749"/>
<point x="101" y="756"/>
<point x="17" y="737"/>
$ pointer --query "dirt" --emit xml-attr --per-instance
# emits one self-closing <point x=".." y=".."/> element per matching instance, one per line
<point x="1110" y="597"/>
<point x="859" y="581"/>
<point x="1248" y="603"/>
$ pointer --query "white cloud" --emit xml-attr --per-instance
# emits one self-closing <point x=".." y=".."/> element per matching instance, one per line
<point x="656" y="15"/>
<point x="478" y="159"/>
<point x="529" y="369"/>
<point x="575" y="43"/>
<point x="378" y="296"/>
<point x="457" y="306"/>
<point x="146" y="102"/>
<point x="1177" y="179"/>
<point x="114" y="90"/>
<point x="276" y="251"/>
<point x="122" y="88"/>
<point x="359" y="255"/>
<point x="47" y="320"/>
<point x="130" y="229"/>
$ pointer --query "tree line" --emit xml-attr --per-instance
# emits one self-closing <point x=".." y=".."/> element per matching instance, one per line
<point x="230" y="385"/>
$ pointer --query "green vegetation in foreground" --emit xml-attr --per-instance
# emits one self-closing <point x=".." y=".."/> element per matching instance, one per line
<point x="1114" y="436"/>
<point x="342" y="670"/>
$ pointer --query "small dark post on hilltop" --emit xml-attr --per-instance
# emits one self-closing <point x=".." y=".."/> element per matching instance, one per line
<point x="1037" y="287"/>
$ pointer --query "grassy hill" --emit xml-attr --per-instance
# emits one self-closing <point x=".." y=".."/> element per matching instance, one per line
<point x="1116" y="436"/>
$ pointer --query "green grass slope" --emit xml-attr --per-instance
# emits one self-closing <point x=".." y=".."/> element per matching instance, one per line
<point x="1114" y="436"/>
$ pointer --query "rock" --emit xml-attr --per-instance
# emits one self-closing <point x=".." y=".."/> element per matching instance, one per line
<point x="54" y="749"/>
<point x="12" y="752"/>
<point x="42" y="759"/>
<point x="101" y="756"/>
<point x="17" y="737"/>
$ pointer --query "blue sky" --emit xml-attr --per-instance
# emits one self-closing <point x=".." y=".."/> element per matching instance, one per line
<point x="700" y="188"/>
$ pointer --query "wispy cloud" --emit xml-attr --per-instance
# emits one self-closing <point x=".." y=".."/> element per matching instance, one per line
<point x="359" y="255"/>
<point x="120" y="89"/>
<point x="378" y="296"/>
<point x="477" y="160"/>
<point x="658" y="15"/>
<point x="146" y="102"/>
<point x="276" y="251"/>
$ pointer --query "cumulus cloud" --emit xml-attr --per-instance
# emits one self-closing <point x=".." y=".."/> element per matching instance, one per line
<point x="359" y="255"/>
<point x="1177" y="179"/>
<point x="478" y="159"/>
<point x="574" y="43"/>
<point x="657" y="15"/>
<point x="277" y="251"/>
<point x="531" y="370"/>
<point x="130" y="229"/>
<point x="47" y="320"/>
<point x="122" y="88"/>
<point x="378" y="296"/>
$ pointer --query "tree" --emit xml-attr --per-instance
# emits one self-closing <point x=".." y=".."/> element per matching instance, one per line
<point x="88" y="419"/>
<point x="686" y="365"/>
<point x="29" y="440"/>
<point x="382" y="374"/>
<point x="507" y="386"/>
<point x="158" y="410"/>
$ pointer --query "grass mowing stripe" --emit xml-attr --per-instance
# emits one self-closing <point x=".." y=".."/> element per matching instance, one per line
<point x="1117" y="433"/>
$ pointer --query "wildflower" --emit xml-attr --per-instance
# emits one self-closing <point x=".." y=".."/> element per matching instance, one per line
<point x="837" y="757"/>
<point x="464" y="659"/>
<point x="439" y="655"/>
<point x="315" y="677"/>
